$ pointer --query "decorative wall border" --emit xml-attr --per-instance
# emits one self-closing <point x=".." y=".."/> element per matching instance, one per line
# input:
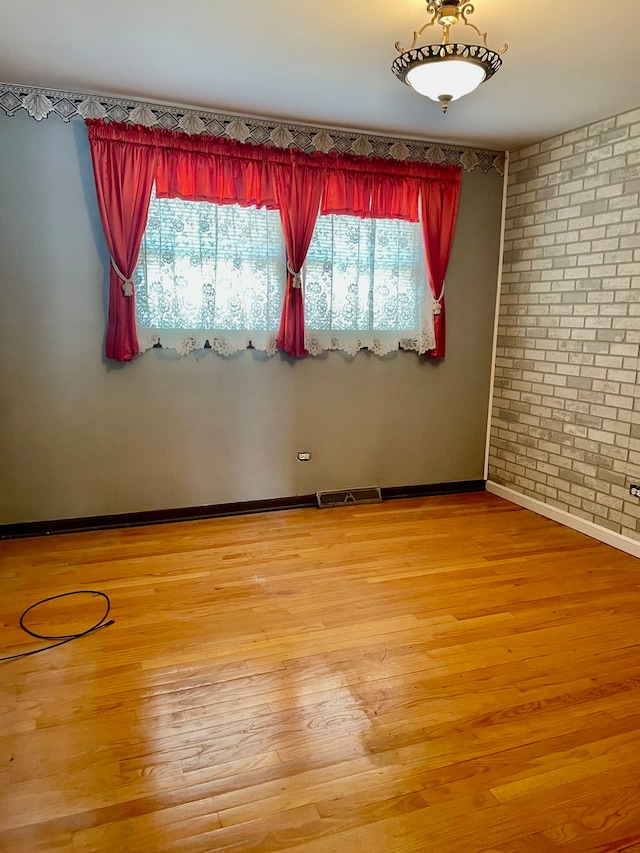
<point x="41" y="103"/>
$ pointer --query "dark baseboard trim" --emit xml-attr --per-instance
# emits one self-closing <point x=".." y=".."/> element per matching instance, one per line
<point x="432" y="489"/>
<point x="24" y="529"/>
<point x="156" y="516"/>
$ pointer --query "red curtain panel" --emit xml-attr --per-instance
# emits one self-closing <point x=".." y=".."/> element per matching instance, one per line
<point x="124" y="171"/>
<point x="439" y="200"/>
<point x="299" y="188"/>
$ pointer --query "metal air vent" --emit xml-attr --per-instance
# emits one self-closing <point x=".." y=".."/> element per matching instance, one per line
<point x="343" y="497"/>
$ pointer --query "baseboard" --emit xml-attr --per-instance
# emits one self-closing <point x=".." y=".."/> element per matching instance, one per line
<point x="595" y="531"/>
<point x="164" y="516"/>
<point x="156" y="516"/>
<point x="432" y="489"/>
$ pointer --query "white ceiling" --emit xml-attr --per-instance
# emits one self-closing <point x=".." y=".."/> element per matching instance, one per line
<point x="329" y="62"/>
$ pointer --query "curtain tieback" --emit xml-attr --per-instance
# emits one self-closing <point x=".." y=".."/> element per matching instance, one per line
<point x="297" y="277"/>
<point x="127" y="283"/>
<point x="437" y="303"/>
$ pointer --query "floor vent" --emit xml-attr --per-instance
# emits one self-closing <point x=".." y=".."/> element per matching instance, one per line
<point x="343" y="497"/>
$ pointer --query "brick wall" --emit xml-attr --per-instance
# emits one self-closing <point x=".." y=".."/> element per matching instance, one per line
<point x="566" y="411"/>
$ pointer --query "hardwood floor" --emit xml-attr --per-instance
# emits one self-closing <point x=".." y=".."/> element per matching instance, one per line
<point x="445" y="675"/>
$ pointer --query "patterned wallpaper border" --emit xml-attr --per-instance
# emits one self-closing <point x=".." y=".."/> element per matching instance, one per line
<point x="41" y="103"/>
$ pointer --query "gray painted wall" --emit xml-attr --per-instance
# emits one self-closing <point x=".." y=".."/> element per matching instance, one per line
<point x="80" y="436"/>
<point x="566" y="417"/>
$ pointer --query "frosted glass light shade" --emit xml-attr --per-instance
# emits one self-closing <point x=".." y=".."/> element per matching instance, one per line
<point x="446" y="77"/>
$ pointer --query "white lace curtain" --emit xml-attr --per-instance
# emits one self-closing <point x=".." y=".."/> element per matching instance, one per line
<point x="366" y="286"/>
<point x="212" y="275"/>
<point x="209" y="273"/>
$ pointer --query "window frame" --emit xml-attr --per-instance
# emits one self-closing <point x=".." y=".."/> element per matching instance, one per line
<point x="227" y="340"/>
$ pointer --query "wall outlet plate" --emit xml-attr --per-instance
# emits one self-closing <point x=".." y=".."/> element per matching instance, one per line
<point x="634" y="490"/>
<point x="304" y="456"/>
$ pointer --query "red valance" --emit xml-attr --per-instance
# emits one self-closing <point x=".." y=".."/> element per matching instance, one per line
<point x="203" y="168"/>
<point x="200" y="144"/>
<point x="370" y="195"/>
<point x="194" y="176"/>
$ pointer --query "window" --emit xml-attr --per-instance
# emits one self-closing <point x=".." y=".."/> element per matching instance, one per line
<point x="215" y="272"/>
<point x="127" y="161"/>
<point x="365" y="281"/>
<point x="211" y="274"/>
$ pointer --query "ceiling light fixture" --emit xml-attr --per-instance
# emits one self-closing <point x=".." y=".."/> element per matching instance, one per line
<point x="449" y="70"/>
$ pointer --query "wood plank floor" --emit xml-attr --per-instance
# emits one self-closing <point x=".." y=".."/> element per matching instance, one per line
<point x="448" y="675"/>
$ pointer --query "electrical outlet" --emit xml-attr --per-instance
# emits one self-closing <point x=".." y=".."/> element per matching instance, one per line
<point x="304" y="456"/>
<point x="634" y="490"/>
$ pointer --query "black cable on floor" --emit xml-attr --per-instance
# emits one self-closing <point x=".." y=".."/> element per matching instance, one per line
<point x="64" y="638"/>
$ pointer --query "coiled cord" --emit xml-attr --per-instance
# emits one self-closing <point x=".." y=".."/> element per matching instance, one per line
<point x="63" y="638"/>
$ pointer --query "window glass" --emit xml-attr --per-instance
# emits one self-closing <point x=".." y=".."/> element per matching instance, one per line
<point x="209" y="267"/>
<point x="213" y="275"/>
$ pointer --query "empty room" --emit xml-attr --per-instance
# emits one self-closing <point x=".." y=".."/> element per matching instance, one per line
<point x="320" y="426"/>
